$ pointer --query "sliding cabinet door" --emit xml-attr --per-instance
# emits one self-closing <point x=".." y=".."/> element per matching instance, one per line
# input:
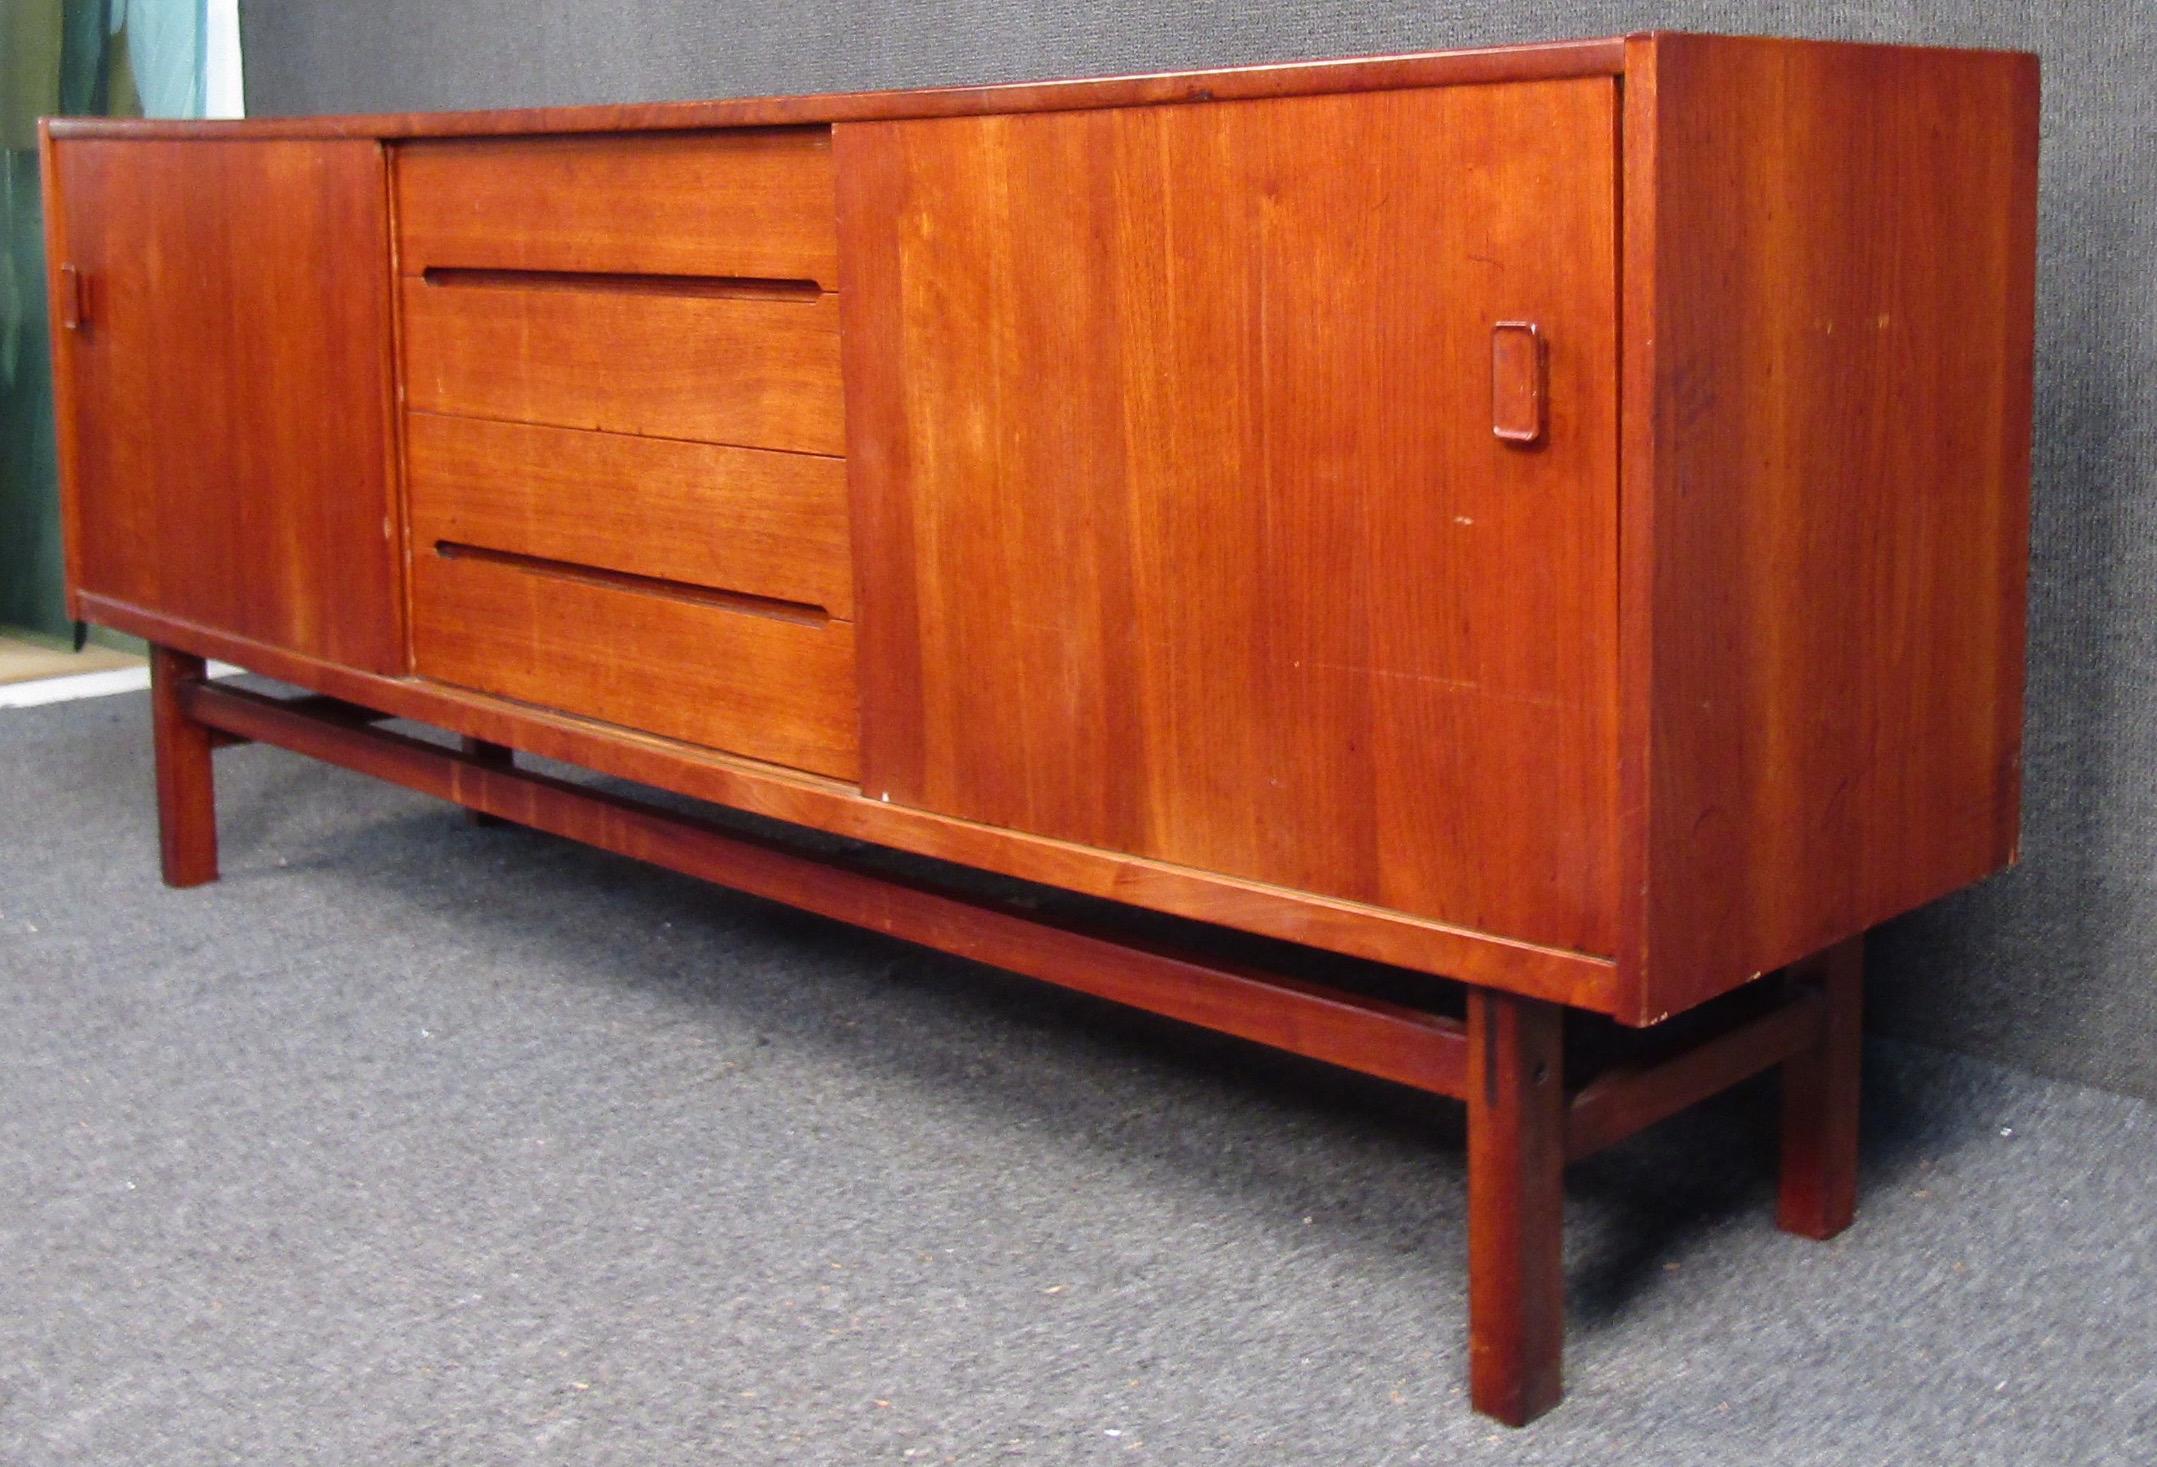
<point x="1214" y="500"/>
<point x="222" y="348"/>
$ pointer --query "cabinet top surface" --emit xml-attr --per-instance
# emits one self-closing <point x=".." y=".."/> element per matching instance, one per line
<point x="1599" y="56"/>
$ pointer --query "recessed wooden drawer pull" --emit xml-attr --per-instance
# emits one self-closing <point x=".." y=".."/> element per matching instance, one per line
<point x="1518" y="375"/>
<point x="746" y="602"/>
<point x="731" y="287"/>
<point x="74" y="298"/>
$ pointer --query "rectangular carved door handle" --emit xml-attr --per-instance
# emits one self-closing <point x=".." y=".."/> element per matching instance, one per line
<point x="1519" y="376"/>
<point x="73" y="312"/>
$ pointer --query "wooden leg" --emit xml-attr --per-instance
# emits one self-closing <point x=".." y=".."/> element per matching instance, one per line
<point x="494" y="756"/>
<point x="1516" y="1193"/>
<point x="186" y="790"/>
<point x="1820" y="1101"/>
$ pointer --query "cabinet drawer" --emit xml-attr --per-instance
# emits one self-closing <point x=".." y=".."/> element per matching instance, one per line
<point x="733" y="519"/>
<point x="772" y="687"/>
<point x="755" y="203"/>
<point x="680" y="360"/>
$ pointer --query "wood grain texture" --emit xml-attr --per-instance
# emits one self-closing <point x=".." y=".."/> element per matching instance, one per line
<point x="826" y="804"/>
<point x="1604" y="56"/>
<point x="1180" y="522"/>
<point x="1804" y="586"/>
<point x="739" y="519"/>
<point x="754" y="373"/>
<point x="1829" y="316"/>
<point x="224" y="408"/>
<point x="755" y="202"/>
<point x="1516" y="1205"/>
<point x="186" y="782"/>
<point x="763" y="686"/>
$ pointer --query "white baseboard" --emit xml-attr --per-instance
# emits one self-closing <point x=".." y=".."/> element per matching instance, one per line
<point x="88" y="685"/>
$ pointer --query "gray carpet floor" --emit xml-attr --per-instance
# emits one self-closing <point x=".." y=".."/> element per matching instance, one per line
<point x="412" y="1143"/>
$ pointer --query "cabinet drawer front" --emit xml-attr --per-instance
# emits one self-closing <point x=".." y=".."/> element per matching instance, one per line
<point x="732" y="519"/>
<point x="769" y="687"/>
<point x="752" y="370"/>
<point x="753" y="203"/>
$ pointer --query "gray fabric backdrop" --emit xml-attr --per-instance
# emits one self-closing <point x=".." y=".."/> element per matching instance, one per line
<point x="2047" y="967"/>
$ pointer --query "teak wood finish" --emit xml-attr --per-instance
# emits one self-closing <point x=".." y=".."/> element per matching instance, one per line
<point x="767" y="525"/>
<point x="1267" y="559"/>
<point x="1827" y="493"/>
<point x="1549" y="518"/>
<point x="190" y="264"/>
<point x="777" y="686"/>
<point x="749" y="204"/>
<point x="758" y="371"/>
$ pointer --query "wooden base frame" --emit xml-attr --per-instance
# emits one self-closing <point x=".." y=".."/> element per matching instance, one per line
<point x="494" y="756"/>
<point x="1505" y="1060"/>
<point x="186" y="791"/>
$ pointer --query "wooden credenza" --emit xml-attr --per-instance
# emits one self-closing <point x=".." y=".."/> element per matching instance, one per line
<point x="1552" y="519"/>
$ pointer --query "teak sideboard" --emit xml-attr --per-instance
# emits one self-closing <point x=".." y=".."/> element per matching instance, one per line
<point x="1552" y="519"/>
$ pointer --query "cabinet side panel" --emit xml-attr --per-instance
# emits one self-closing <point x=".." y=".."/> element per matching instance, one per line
<point x="61" y="300"/>
<point x="225" y="397"/>
<point x="1829" y="258"/>
<point x="1181" y="522"/>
